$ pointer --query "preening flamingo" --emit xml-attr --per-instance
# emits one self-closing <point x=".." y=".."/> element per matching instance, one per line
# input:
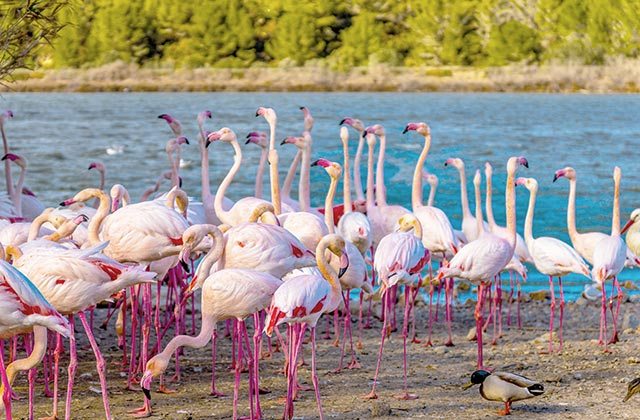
<point x="469" y="225"/>
<point x="482" y="259"/>
<point x="355" y="277"/>
<point x="609" y="256"/>
<point x="399" y="259"/>
<point x="299" y="302"/>
<point x="73" y="281"/>
<point x="226" y="294"/>
<point x="551" y="257"/>
<point x="23" y="309"/>
<point x="383" y="217"/>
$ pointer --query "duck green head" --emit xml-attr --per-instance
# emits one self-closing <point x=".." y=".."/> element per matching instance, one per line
<point x="477" y="378"/>
<point x="633" y="388"/>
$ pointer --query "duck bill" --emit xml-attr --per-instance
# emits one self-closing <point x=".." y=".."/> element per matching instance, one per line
<point x="626" y="226"/>
<point x="467" y="385"/>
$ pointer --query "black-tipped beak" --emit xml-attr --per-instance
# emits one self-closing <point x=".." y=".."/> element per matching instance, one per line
<point x="248" y="141"/>
<point x="63" y="204"/>
<point x="555" y="177"/>
<point x="207" y="143"/>
<point x="180" y="181"/>
<point x="161" y="116"/>
<point x="315" y="163"/>
<point x="301" y="107"/>
<point x="186" y="140"/>
<point x="526" y="164"/>
<point x="185" y="266"/>
<point x="283" y="142"/>
<point x="341" y="122"/>
<point x="5" y="157"/>
<point x="405" y="130"/>
<point x="147" y="393"/>
<point x="342" y="271"/>
<point x="257" y="114"/>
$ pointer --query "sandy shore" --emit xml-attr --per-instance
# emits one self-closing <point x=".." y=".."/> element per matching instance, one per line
<point x="581" y="383"/>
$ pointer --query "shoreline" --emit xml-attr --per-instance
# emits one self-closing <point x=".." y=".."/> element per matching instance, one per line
<point x="622" y="76"/>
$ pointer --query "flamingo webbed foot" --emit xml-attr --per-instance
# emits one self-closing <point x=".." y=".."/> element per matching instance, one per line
<point x="371" y="396"/>
<point x="406" y="396"/>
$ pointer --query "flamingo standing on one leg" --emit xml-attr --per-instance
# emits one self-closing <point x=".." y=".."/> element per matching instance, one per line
<point x="299" y="302"/>
<point x="481" y="260"/>
<point x="399" y="259"/>
<point x="551" y="257"/>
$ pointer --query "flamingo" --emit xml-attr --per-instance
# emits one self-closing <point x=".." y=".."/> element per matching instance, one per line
<point x="173" y="149"/>
<point x="24" y="309"/>
<point x="356" y="124"/>
<point x="609" y="256"/>
<point x="174" y="124"/>
<point x="272" y="119"/>
<point x="437" y="233"/>
<point x="469" y="225"/>
<point x="551" y="257"/>
<point x="21" y="232"/>
<point x="432" y="180"/>
<point x="242" y="208"/>
<point x="383" y="217"/>
<point x="73" y="281"/>
<point x="399" y="259"/>
<point x="354" y="226"/>
<point x="226" y="294"/>
<point x="299" y="302"/>
<point x="482" y="259"/>
<point x="355" y="277"/>
<point x="99" y="166"/>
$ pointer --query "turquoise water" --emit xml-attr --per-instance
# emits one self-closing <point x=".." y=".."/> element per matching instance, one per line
<point x="60" y="134"/>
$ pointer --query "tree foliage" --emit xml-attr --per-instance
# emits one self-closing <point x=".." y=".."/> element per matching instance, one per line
<point x="344" y="34"/>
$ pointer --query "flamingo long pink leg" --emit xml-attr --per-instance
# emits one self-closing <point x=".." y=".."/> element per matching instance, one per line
<point x="372" y="395"/>
<point x="71" y="370"/>
<point x="560" y="336"/>
<point x="314" y="373"/>
<point x="603" y="320"/>
<point x="448" y="292"/>
<point x="214" y="392"/>
<point x="479" y="324"/>
<point x="257" y="345"/>
<point x="238" y="368"/>
<point x="6" y="395"/>
<point x="28" y="345"/>
<point x="123" y="339"/>
<point x="428" y="343"/>
<point x="251" y="366"/>
<point x="359" y="342"/>
<point x="46" y="364"/>
<point x="56" y="363"/>
<point x="552" y="314"/>
<point x="367" y="324"/>
<point x="615" y="285"/>
<point x="499" y="303"/>
<point x="511" y="290"/>
<point x="288" y="407"/>
<point x="100" y="366"/>
<point x="405" y="324"/>
<point x="134" y="336"/>
<point x="518" y="300"/>
<point x="354" y="364"/>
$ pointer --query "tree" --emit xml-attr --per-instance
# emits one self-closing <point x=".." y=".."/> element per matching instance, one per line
<point x="25" y="27"/>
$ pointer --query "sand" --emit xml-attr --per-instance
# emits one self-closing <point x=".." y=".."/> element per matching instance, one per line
<point x="581" y="383"/>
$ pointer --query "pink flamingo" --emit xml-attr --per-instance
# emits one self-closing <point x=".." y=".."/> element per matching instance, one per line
<point x="259" y="138"/>
<point x="73" y="281"/>
<point x="24" y="309"/>
<point x="174" y="124"/>
<point x="481" y="260"/>
<point x="226" y="294"/>
<point x="355" y="277"/>
<point x="356" y="124"/>
<point x="551" y="257"/>
<point x="609" y="257"/>
<point x="399" y="259"/>
<point x="299" y="302"/>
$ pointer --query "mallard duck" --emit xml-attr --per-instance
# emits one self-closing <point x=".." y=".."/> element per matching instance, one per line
<point x="505" y="387"/>
<point x="633" y="388"/>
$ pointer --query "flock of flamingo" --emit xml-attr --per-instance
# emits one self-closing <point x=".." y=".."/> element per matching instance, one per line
<point x="274" y="259"/>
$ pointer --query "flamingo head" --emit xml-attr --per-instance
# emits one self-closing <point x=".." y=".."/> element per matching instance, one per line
<point x="431" y="179"/>
<point x="634" y="218"/>
<point x="334" y="169"/>
<point x="257" y="137"/>
<point x="353" y="122"/>
<point x="376" y="129"/>
<point x="6" y="115"/>
<point x="360" y="206"/>
<point x="224" y="134"/>
<point x="118" y="194"/>
<point x="292" y="140"/>
<point x="530" y="183"/>
<point x="268" y="113"/>
<point x="168" y="118"/>
<point x="344" y="135"/>
<point x="84" y="195"/>
<point x="337" y="247"/>
<point x="99" y="166"/>
<point x="419" y="127"/>
<point x="567" y="172"/>
<point x="514" y="162"/>
<point x="180" y="140"/>
<point x="455" y="162"/>
<point x="407" y="222"/>
<point x="488" y="170"/>
<point x="18" y="160"/>
<point x="27" y="191"/>
<point x="308" y="119"/>
<point x="203" y="115"/>
<point x="155" y="367"/>
<point x="477" y="179"/>
<point x="371" y="139"/>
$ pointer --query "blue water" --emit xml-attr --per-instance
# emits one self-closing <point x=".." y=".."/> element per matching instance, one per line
<point x="60" y="133"/>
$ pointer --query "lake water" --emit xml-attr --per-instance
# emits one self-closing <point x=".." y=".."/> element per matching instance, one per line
<point x="60" y="133"/>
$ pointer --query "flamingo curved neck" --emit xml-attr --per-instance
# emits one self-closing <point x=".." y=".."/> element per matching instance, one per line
<point x="571" y="212"/>
<point x="416" y="190"/>
<point x="304" y="195"/>
<point x="370" y="199"/>
<point x="325" y="269"/>
<point x="464" y="199"/>
<point x="381" y="196"/>
<point x="214" y="253"/>
<point x="615" y="220"/>
<point x="17" y="196"/>
<point x="432" y="195"/>
<point x="528" y="223"/>
<point x="36" y="356"/>
<point x="34" y="228"/>
<point x="222" y="214"/>
<point x="93" y="230"/>
<point x="201" y="340"/>
<point x="478" y="196"/>
<point x="328" y="205"/>
<point x="288" y="180"/>
<point x="357" y="181"/>
<point x="204" y="175"/>
<point x="260" y="173"/>
<point x="346" y="187"/>
<point x="273" y="169"/>
<point x="510" y="204"/>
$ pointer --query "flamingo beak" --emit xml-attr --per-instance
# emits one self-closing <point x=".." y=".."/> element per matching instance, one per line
<point x="344" y="264"/>
<point x="67" y="202"/>
<point x="145" y="384"/>
<point x="524" y="162"/>
<point x="114" y="205"/>
<point x="559" y="174"/>
<point x="626" y="226"/>
<point x="521" y="181"/>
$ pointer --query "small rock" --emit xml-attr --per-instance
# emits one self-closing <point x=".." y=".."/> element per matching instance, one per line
<point x="633" y="360"/>
<point x="471" y="335"/>
<point x="197" y="369"/>
<point x="630" y="320"/>
<point x="577" y="376"/>
<point x="581" y="301"/>
<point x="629" y="331"/>
<point x="539" y="295"/>
<point x="544" y="338"/>
<point x="380" y="409"/>
<point x="441" y="349"/>
<point x="629" y="285"/>
<point x="463" y="286"/>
